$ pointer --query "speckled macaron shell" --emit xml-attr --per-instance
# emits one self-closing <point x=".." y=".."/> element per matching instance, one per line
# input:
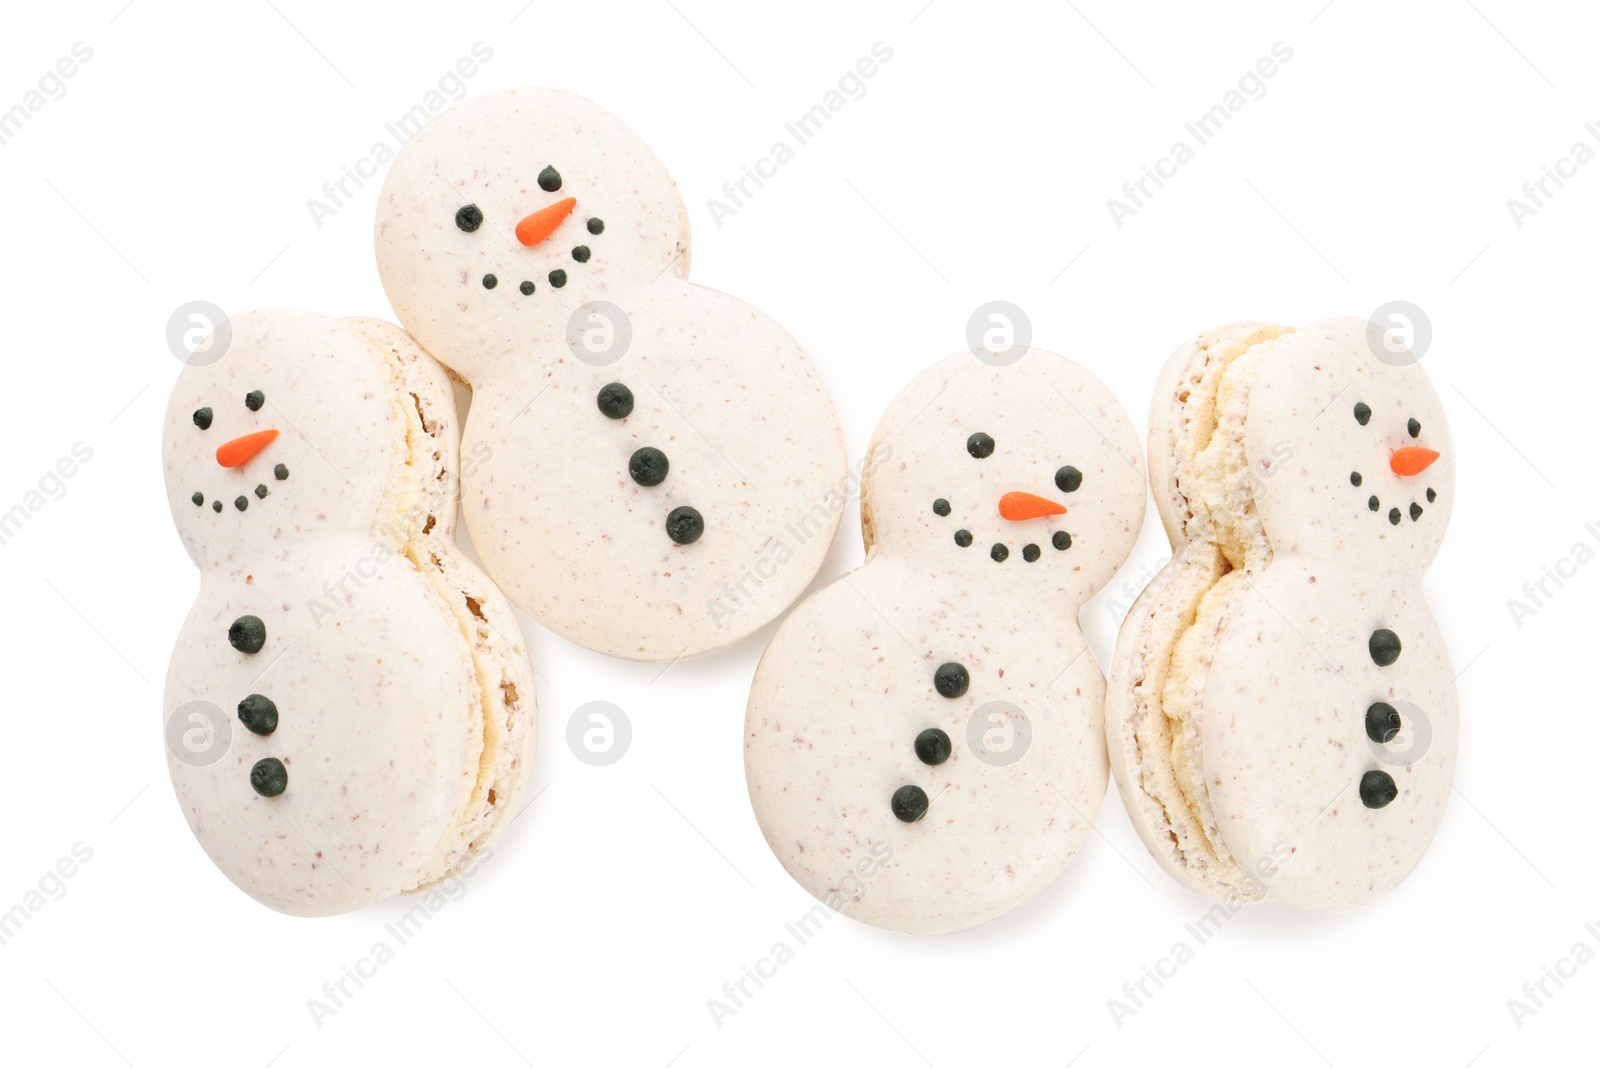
<point x="848" y="683"/>
<point x="394" y="719"/>
<point x="1268" y="667"/>
<point x="752" y="441"/>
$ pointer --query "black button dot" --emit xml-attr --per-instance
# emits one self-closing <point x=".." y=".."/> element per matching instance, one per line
<point x="941" y="507"/>
<point x="951" y="680"/>
<point x="1378" y="789"/>
<point x="648" y="466"/>
<point x="254" y="400"/>
<point x="490" y="281"/>
<point x="1432" y="496"/>
<point x="1394" y="517"/>
<point x="1416" y="511"/>
<point x="198" y="498"/>
<point x="269" y="777"/>
<point x="247" y="634"/>
<point x="1413" y="427"/>
<point x="549" y="179"/>
<point x="909" y="804"/>
<point x="280" y="472"/>
<point x="216" y="506"/>
<point x="261" y="492"/>
<point x="964" y="538"/>
<point x="1355" y="478"/>
<point x="1384" y="645"/>
<point x="202" y="418"/>
<point x="615" y="400"/>
<point x="527" y="288"/>
<point x="998" y="553"/>
<point x="1061" y="540"/>
<point x="1068" y="479"/>
<point x="469" y="218"/>
<point x="685" y="525"/>
<point x="596" y="226"/>
<point x="258" y="714"/>
<point x="1363" y="413"/>
<point x="1372" y="504"/>
<point x="241" y="502"/>
<point x="558" y="278"/>
<point x="1030" y="552"/>
<point x="581" y="253"/>
<point x="1383" y="722"/>
<point x="933" y="747"/>
<point x="980" y="445"/>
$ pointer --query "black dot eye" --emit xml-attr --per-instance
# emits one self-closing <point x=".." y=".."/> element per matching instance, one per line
<point x="581" y="253"/>
<point x="202" y="418"/>
<point x="254" y="400"/>
<point x="1363" y="413"/>
<point x="469" y="218"/>
<point x="1413" y="427"/>
<point x="1068" y="479"/>
<point x="941" y="507"/>
<point x="980" y="445"/>
<point x="597" y="226"/>
<point x="558" y="278"/>
<point x="549" y="179"/>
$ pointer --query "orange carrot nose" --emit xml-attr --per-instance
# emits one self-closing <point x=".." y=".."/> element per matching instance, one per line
<point x="1411" y="460"/>
<point x="1020" y="506"/>
<point x="542" y="223"/>
<point x="234" y="453"/>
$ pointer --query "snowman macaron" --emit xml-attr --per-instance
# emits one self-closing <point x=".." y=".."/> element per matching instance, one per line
<point x="665" y="468"/>
<point x="349" y="708"/>
<point x="924" y="745"/>
<point x="1282" y="710"/>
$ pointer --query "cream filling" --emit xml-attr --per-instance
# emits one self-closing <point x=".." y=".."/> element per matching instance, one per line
<point x="1226" y="544"/>
<point x="414" y="517"/>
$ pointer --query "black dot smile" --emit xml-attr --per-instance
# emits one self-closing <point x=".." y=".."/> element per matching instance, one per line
<point x="469" y="218"/>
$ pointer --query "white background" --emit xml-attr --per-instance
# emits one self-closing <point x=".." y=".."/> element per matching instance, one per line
<point x="977" y="166"/>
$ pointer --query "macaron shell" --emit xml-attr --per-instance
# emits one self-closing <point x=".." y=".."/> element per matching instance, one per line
<point x="835" y="709"/>
<point x="753" y="445"/>
<point x="848" y="683"/>
<point x="1285" y="739"/>
<point x="375" y="730"/>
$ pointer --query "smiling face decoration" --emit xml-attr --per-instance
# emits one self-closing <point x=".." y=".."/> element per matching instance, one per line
<point x="349" y="710"/>
<point x="664" y="469"/>
<point x="923" y="742"/>
<point x="1282" y="712"/>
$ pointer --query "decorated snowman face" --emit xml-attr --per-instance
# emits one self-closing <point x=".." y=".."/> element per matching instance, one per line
<point x="508" y="213"/>
<point x="1025" y="474"/>
<point x="267" y="441"/>
<point x="1368" y="434"/>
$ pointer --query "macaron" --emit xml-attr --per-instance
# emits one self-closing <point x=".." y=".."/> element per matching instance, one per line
<point x="1281" y="713"/>
<point x="349" y="706"/>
